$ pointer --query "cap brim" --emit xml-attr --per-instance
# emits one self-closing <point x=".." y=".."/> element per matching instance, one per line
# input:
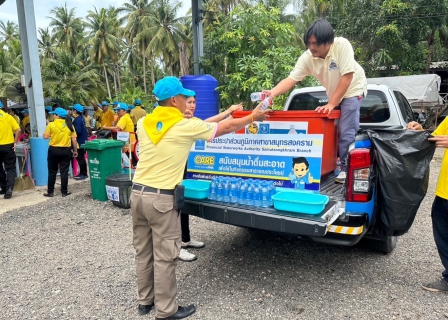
<point x="52" y="112"/>
<point x="188" y="93"/>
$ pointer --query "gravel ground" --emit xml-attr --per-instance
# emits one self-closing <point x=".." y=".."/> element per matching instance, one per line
<point x="72" y="258"/>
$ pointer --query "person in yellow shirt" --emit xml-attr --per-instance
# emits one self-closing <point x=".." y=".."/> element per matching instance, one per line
<point x="137" y="113"/>
<point x="439" y="212"/>
<point x="165" y="139"/>
<point x="9" y="136"/>
<point x="107" y="117"/>
<point x="13" y="114"/>
<point x="97" y="115"/>
<point x="88" y="120"/>
<point x="62" y="137"/>
<point x="26" y="117"/>
<point x="124" y="123"/>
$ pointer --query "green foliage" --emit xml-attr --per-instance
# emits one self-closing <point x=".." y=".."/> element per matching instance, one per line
<point x="250" y="50"/>
<point x="129" y="95"/>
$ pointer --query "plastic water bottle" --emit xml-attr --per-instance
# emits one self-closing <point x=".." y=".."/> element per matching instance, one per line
<point x="242" y="192"/>
<point x="257" y="195"/>
<point x="212" y="190"/>
<point x="258" y="96"/>
<point x="338" y="168"/>
<point x="249" y="195"/>
<point x="266" y="103"/>
<point x="233" y="190"/>
<point x="292" y="130"/>
<point x="226" y="190"/>
<point x="264" y="195"/>
<point x="219" y="190"/>
<point x="272" y="192"/>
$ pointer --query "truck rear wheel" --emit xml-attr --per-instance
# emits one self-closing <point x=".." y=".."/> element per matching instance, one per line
<point x="386" y="245"/>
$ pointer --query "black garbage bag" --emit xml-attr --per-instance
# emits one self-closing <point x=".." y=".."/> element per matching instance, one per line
<point x="403" y="158"/>
<point x="103" y="134"/>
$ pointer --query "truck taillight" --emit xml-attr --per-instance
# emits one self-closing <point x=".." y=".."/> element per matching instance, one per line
<point x="358" y="175"/>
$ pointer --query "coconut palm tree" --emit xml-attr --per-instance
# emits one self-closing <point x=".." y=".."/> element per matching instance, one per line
<point x="46" y="43"/>
<point x="137" y="19"/>
<point x="165" y="33"/>
<point x="67" y="29"/>
<point x="8" y="32"/>
<point x="102" y="39"/>
<point x="65" y="78"/>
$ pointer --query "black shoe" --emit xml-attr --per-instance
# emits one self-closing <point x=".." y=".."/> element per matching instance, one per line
<point x="182" y="312"/>
<point x="49" y="194"/>
<point x="8" y="194"/>
<point x="64" y="194"/>
<point x="2" y="191"/>
<point x="142" y="309"/>
<point x="81" y="177"/>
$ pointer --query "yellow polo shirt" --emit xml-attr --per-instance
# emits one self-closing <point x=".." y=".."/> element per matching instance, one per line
<point x="97" y="115"/>
<point x="137" y="113"/>
<point x="107" y="118"/>
<point x="25" y="121"/>
<point x="339" y="61"/>
<point x="60" y="134"/>
<point x="7" y="128"/>
<point x="162" y="165"/>
<point x="126" y="125"/>
<point x="442" y="184"/>
<point x="16" y="117"/>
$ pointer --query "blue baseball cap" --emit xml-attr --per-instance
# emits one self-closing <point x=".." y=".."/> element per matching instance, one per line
<point x="122" y="106"/>
<point x="104" y="104"/>
<point x="115" y="103"/>
<point x="131" y="106"/>
<point x="48" y="108"/>
<point x="60" y="112"/>
<point x="138" y="102"/>
<point x="26" y="111"/>
<point x="78" y="107"/>
<point x="169" y="87"/>
<point x="1" y="104"/>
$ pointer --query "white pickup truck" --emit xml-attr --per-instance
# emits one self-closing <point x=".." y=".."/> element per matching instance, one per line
<point x="350" y="215"/>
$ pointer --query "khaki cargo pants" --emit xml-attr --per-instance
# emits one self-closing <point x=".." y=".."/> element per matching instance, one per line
<point x="157" y="242"/>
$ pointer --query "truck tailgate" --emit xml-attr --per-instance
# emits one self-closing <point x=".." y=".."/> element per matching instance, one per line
<point x="265" y="218"/>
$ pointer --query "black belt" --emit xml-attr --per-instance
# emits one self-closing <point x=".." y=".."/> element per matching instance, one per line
<point x="139" y="187"/>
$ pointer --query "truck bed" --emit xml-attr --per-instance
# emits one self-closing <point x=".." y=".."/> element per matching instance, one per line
<point x="330" y="188"/>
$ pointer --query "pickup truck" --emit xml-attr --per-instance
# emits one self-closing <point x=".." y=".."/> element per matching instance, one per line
<point x="350" y="215"/>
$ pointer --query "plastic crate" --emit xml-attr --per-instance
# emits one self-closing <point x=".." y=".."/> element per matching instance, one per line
<point x="299" y="202"/>
<point x="196" y="189"/>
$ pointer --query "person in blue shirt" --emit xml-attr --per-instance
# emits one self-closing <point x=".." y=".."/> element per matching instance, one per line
<point x="79" y="124"/>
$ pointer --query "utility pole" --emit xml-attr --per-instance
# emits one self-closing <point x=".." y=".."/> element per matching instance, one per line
<point x="33" y="85"/>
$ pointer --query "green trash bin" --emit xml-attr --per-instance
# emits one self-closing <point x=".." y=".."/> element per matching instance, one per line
<point x="104" y="158"/>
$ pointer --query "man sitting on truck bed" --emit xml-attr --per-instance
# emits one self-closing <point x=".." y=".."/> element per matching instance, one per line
<point x="331" y="60"/>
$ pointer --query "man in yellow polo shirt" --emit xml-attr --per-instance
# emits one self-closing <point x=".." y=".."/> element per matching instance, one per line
<point x="26" y="117"/>
<point x="331" y="60"/>
<point x="9" y="136"/>
<point x="124" y="123"/>
<point x="13" y="114"/>
<point x="137" y="113"/>
<point x="107" y="117"/>
<point x="165" y="139"/>
<point x="97" y="115"/>
<point x="439" y="212"/>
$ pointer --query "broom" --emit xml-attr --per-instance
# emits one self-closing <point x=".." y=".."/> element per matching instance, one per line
<point x="24" y="181"/>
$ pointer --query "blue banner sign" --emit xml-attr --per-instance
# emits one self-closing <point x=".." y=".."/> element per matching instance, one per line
<point x="290" y="160"/>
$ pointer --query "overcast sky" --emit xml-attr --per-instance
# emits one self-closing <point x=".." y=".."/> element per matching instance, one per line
<point x="8" y="10"/>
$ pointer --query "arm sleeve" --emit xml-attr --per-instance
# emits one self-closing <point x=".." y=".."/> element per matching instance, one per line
<point x="346" y="58"/>
<point x="77" y="124"/>
<point x="442" y="129"/>
<point x="13" y="124"/>
<point x="301" y="69"/>
<point x="48" y="129"/>
<point x="200" y="130"/>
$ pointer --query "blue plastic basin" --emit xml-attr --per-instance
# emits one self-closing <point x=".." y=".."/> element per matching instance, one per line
<point x="196" y="189"/>
<point x="293" y="201"/>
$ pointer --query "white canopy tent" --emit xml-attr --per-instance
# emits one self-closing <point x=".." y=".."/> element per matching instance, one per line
<point x="420" y="90"/>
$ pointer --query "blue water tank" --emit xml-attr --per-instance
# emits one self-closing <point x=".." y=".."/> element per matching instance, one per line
<point x="207" y="97"/>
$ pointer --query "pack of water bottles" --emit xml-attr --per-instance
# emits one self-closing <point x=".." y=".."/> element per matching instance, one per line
<point x="250" y="192"/>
